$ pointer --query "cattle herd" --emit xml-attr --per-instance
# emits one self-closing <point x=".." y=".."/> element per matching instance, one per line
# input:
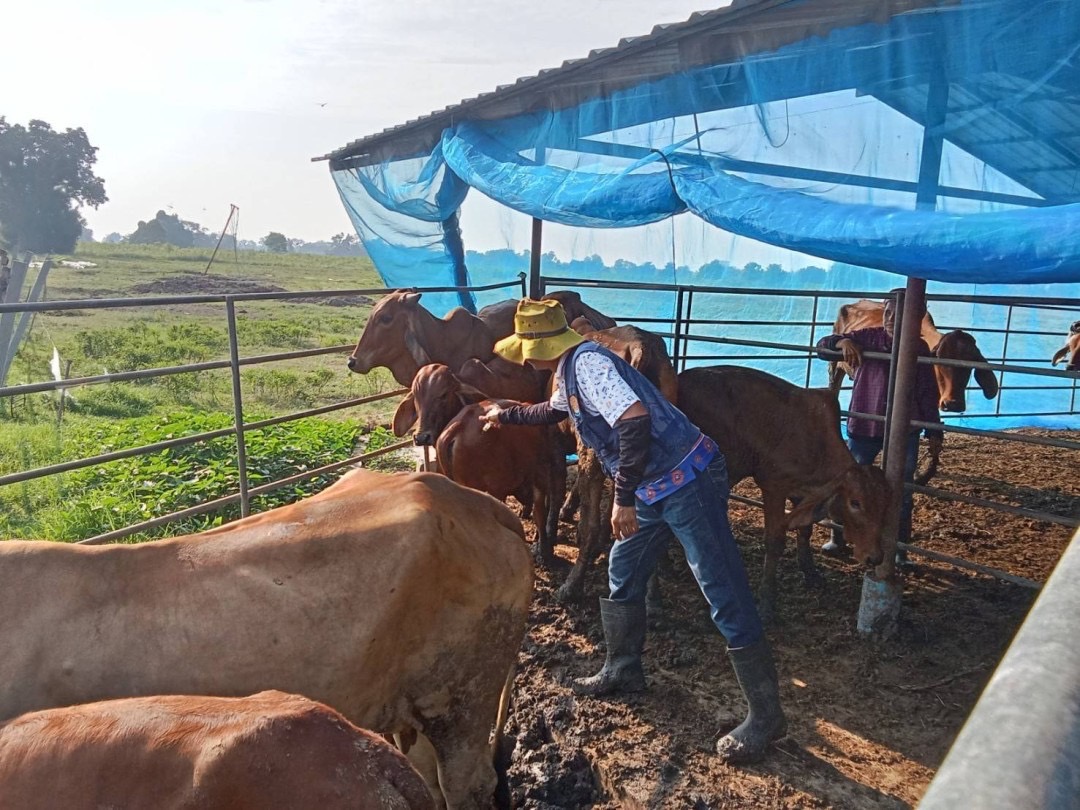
<point x="270" y="662"/>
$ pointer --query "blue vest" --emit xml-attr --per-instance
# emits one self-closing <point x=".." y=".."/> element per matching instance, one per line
<point x="673" y="435"/>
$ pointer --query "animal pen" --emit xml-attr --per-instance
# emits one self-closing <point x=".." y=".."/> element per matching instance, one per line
<point x="937" y="140"/>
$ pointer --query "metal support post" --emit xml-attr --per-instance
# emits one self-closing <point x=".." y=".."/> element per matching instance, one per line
<point x="238" y="408"/>
<point x="534" y="258"/>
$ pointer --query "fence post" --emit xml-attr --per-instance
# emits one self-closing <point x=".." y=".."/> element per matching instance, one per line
<point x="238" y="408"/>
<point x="1020" y="746"/>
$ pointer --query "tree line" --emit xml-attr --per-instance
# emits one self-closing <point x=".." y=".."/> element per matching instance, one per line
<point x="46" y="176"/>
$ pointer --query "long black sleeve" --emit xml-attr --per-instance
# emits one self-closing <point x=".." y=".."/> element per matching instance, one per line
<point x="635" y="437"/>
<point x="540" y="414"/>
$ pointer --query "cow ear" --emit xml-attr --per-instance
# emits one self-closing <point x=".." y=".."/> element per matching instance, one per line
<point x="411" y="298"/>
<point x="419" y="354"/>
<point x="405" y="415"/>
<point x="985" y="378"/>
<point x="809" y="510"/>
<point x="470" y="395"/>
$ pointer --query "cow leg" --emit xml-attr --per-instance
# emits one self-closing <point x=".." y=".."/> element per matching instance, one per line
<point x="812" y="577"/>
<point x="570" y="505"/>
<point x="466" y="772"/>
<point x="422" y="756"/>
<point x="556" y="489"/>
<point x="545" y="539"/>
<point x="590" y="486"/>
<point x="774" y="550"/>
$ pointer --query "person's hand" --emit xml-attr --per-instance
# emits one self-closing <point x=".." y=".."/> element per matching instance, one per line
<point x="851" y="351"/>
<point x="490" y="417"/>
<point x="623" y="521"/>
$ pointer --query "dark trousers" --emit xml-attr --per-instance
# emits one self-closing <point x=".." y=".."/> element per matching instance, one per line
<point x="697" y="515"/>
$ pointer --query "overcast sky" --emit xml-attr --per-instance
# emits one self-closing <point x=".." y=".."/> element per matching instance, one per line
<point x="196" y="104"/>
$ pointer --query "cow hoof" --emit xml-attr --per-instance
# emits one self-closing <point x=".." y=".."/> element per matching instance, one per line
<point x="568" y="594"/>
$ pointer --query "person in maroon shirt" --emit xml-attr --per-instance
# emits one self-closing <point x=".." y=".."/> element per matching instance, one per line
<point x="869" y="395"/>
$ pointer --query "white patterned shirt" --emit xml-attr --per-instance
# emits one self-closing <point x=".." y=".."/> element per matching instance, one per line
<point x="602" y="390"/>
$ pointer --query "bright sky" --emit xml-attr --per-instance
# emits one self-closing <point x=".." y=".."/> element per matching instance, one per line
<point x="196" y="104"/>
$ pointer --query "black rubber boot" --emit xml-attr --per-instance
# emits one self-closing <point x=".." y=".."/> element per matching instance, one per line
<point x="624" y="631"/>
<point x="765" y="721"/>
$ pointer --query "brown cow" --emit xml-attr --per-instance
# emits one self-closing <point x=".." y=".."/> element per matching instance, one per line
<point x="957" y="345"/>
<point x="514" y="460"/>
<point x="403" y="336"/>
<point x="1070" y="352"/>
<point x="788" y="440"/>
<point x="268" y="750"/>
<point x="648" y="354"/>
<point x="399" y="600"/>
<point x="499" y="317"/>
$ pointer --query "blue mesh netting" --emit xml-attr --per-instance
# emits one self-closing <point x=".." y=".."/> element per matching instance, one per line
<point x="941" y="143"/>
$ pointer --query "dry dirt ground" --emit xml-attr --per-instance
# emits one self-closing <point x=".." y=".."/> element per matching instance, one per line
<point x="869" y="722"/>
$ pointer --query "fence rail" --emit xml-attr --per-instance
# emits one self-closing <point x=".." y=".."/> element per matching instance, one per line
<point x="240" y="426"/>
<point x="680" y="330"/>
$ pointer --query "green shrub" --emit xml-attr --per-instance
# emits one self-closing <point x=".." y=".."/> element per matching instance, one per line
<point x="116" y="400"/>
<point x="128" y="491"/>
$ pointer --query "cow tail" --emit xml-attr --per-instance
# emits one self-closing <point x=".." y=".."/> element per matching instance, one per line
<point x="501" y="753"/>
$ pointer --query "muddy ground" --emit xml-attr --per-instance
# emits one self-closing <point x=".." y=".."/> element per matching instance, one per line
<point x="869" y="722"/>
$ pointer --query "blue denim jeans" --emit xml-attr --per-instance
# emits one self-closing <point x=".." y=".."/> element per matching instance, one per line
<point x="697" y="515"/>
<point x="865" y="449"/>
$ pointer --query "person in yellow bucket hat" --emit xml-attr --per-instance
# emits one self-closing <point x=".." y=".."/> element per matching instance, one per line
<point x="669" y="479"/>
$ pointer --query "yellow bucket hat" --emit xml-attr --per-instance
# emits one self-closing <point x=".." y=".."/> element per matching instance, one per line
<point x="540" y="333"/>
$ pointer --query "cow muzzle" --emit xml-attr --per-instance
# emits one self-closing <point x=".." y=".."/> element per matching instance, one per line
<point x="952" y="405"/>
<point x="423" y="439"/>
<point x="874" y="558"/>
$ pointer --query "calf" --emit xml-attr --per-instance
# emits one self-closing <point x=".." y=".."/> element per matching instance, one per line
<point x="268" y="750"/>
<point x="512" y="460"/>
<point x="788" y="440"/>
<point x="399" y="600"/>
<point x="1070" y="352"/>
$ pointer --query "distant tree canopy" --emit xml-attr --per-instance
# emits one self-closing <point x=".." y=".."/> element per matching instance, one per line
<point x="163" y="229"/>
<point x="275" y="242"/>
<point x="44" y="176"/>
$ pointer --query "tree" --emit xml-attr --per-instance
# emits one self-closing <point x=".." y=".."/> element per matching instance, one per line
<point x="149" y="233"/>
<point x="164" y="229"/>
<point x="44" y="176"/>
<point x="275" y="242"/>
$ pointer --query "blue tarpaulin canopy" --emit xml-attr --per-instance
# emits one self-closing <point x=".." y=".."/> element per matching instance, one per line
<point x="936" y="139"/>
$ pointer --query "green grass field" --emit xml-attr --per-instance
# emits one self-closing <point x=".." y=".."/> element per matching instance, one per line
<point x="35" y="430"/>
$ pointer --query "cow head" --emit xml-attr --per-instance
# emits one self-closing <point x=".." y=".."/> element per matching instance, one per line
<point x="858" y="498"/>
<point x="1070" y="352"/>
<point x="391" y="338"/>
<point x="952" y="380"/>
<point x="435" y="398"/>
<point x="575" y="308"/>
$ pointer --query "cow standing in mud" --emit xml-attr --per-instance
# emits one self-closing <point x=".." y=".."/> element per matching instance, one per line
<point x="788" y="440"/>
<point x="398" y="600"/>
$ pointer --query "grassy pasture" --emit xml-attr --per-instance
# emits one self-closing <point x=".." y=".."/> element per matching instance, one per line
<point x="36" y="431"/>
